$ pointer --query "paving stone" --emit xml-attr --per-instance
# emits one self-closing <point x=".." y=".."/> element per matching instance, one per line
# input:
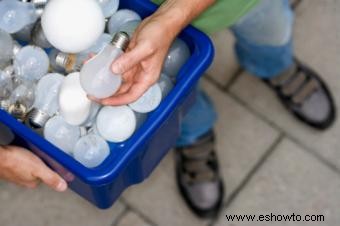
<point x="239" y="149"/>
<point x="290" y="181"/>
<point x="225" y="64"/>
<point x="43" y="207"/>
<point x="317" y="44"/>
<point x="132" y="219"/>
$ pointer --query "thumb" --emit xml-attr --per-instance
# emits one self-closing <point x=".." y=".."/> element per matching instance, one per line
<point x="130" y="59"/>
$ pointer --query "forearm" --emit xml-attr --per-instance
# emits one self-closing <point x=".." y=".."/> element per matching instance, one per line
<point x="177" y="14"/>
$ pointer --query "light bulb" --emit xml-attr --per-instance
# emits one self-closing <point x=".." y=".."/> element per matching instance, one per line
<point x="6" y="47"/>
<point x="39" y="38"/>
<point x="166" y="85"/>
<point x="15" y="15"/>
<point x="53" y="61"/>
<point x="96" y="77"/>
<point x="16" y="48"/>
<point x="150" y="100"/>
<point x="178" y="55"/>
<point x="72" y="26"/>
<point x="91" y="150"/>
<point x="92" y="116"/>
<point x="61" y="134"/>
<point x="46" y="99"/>
<point x="74" y="105"/>
<point x="109" y="7"/>
<point x="130" y="27"/>
<point x="116" y="124"/>
<point x="120" y="18"/>
<point x="31" y="63"/>
<point x="21" y="100"/>
<point x="6" y="135"/>
<point x="6" y="88"/>
<point x="25" y="33"/>
<point x="74" y="62"/>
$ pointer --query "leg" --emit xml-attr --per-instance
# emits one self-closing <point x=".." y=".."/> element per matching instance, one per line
<point x="264" y="48"/>
<point x="197" y="172"/>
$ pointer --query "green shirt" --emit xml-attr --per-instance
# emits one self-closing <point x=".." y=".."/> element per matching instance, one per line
<point x="222" y="14"/>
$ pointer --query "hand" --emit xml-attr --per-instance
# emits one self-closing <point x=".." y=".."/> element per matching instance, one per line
<point x="141" y="65"/>
<point x="21" y="167"/>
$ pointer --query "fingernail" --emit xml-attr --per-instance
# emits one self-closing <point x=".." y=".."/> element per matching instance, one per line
<point x="62" y="186"/>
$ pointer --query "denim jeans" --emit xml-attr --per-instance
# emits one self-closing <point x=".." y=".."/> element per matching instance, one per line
<point x="263" y="47"/>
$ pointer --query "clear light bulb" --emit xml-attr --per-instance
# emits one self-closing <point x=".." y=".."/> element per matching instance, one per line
<point x="6" y="47"/>
<point x="53" y="61"/>
<point x="61" y="134"/>
<point x="15" y="15"/>
<point x="25" y="33"/>
<point x="130" y="27"/>
<point x="91" y="150"/>
<point x="39" y="38"/>
<point x="46" y="99"/>
<point x="72" y="26"/>
<point x="120" y="18"/>
<point x="6" y="88"/>
<point x="96" y="76"/>
<point x="21" y="100"/>
<point x="166" y="85"/>
<point x="178" y="55"/>
<point x="150" y="100"/>
<point x="31" y="63"/>
<point x="74" y="105"/>
<point x="16" y="48"/>
<point x="74" y="62"/>
<point x="109" y="7"/>
<point x="116" y="124"/>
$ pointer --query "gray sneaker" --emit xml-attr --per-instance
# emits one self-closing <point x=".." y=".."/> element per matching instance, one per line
<point x="198" y="177"/>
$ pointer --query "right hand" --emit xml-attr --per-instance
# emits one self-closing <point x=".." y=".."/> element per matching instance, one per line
<point x="23" y="168"/>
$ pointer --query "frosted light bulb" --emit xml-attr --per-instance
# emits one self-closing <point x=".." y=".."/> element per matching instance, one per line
<point x="178" y="55"/>
<point x="6" y="135"/>
<point x="116" y="124"/>
<point x="6" y="88"/>
<point x="21" y="100"/>
<point x="96" y="76"/>
<point x="31" y="63"/>
<point x="92" y="116"/>
<point x="15" y="15"/>
<point x="53" y="61"/>
<point x="74" y="62"/>
<point x="150" y="100"/>
<point x="6" y="47"/>
<point x="130" y="27"/>
<point x="74" y="105"/>
<point x="39" y="38"/>
<point x="109" y="7"/>
<point x="46" y="99"/>
<point x="72" y="26"/>
<point x="61" y="134"/>
<point x="120" y="18"/>
<point x="91" y="150"/>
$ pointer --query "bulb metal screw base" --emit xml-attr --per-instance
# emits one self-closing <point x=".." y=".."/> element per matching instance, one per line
<point x="121" y="40"/>
<point x="38" y="118"/>
<point x="18" y="111"/>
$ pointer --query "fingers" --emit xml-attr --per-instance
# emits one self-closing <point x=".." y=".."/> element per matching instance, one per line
<point x="130" y="59"/>
<point x="51" y="179"/>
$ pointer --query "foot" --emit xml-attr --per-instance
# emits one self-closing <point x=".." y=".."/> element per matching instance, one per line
<point x="198" y="177"/>
<point x="306" y="95"/>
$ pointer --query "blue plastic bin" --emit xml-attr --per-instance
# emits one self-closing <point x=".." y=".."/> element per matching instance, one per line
<point x="132" y="161"/>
